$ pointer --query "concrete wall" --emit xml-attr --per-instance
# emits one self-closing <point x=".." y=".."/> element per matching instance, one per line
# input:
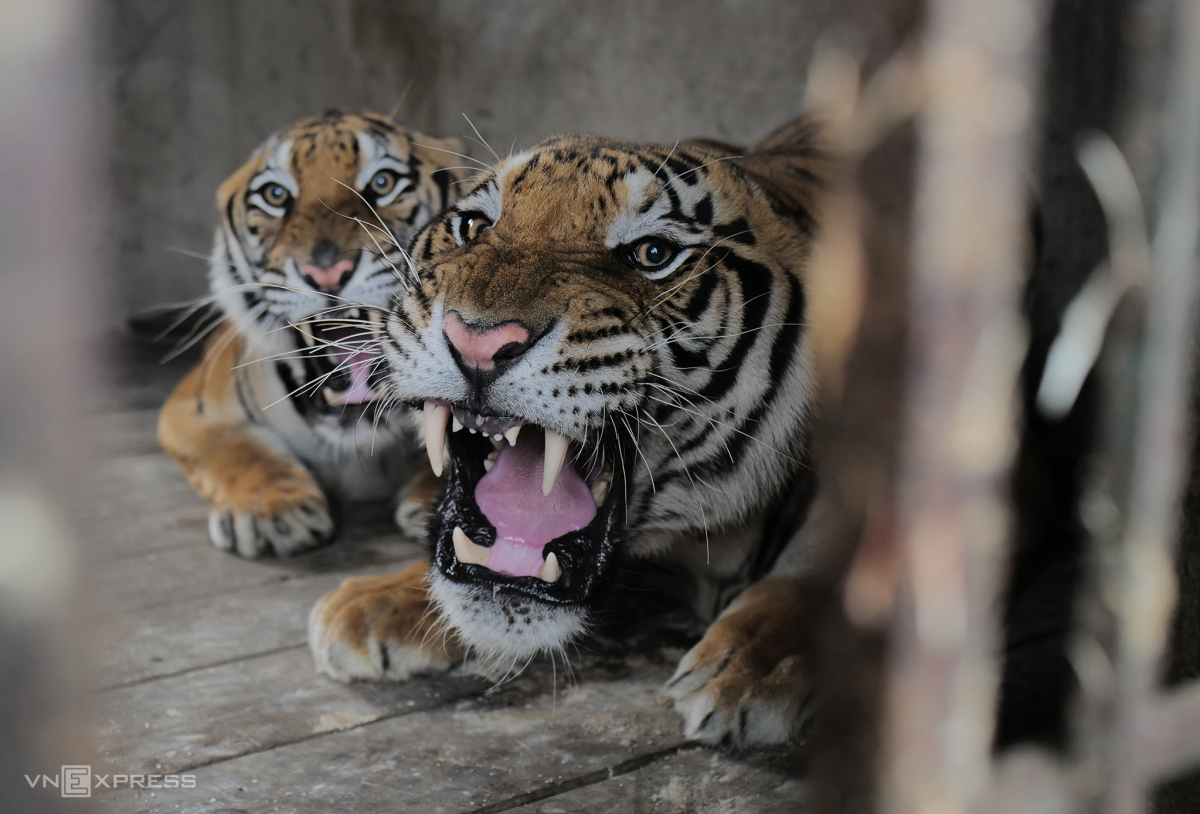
<point x="195" y="86"/>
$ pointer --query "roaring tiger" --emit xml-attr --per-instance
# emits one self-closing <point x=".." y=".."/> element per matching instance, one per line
<point x="284" y="406"/>
<point x="622" y="331"/>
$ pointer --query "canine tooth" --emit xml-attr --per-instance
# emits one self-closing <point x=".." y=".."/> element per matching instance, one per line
<point x="600" y="491"/>
<point x="354" y="313"/>
<point x="374" y="315"/>
<point x="549" y="569"/>
<point x="512" y="434"/>
<point x="309" y="339"/>
<point x="436" y="416"/>
<point x="556" y="453"/>
<point x="333" y="396"/>
<point x="488" y="463"/>
<point x="466" y="549"/>
<point x="455" y="424"/>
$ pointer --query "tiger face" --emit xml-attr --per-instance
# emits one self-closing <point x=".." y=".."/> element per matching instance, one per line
<point x="309" y="248"/>
<point x="619" y="330"/>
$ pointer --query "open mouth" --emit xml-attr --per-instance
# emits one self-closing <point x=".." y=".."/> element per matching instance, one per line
<point x="524" y="507"/>
<point x="340" y="356"/>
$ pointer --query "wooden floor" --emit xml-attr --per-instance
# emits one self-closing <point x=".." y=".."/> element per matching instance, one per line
<point x="205" y="672"/>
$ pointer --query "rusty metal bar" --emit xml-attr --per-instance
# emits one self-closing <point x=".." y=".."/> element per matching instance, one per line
<point x="966" y="344"/>
<point x="1146" y="579"/>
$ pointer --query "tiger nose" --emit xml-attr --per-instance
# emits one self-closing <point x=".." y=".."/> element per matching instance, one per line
<point x="483" y="346"/>
<point x="329" y="279"/>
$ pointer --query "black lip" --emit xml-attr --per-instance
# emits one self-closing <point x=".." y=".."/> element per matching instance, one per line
<point x="587" y="558"/>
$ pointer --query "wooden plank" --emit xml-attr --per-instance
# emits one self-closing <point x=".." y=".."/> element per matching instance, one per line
<point x="137" y="483"/>
<point x="485" y="748"/>
<point x="177" y="724"/>
<point x="136" y="505"/>
<point x="142" y="504"/>
<point x="125" y="432"/>
<point x="164" y="578"/>
<point x="694" y="779"/>
<point x="189" y="635"/>
<point x="123" y="535"/>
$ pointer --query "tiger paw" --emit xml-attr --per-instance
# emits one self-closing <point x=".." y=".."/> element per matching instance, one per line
<point x="380" y="628"/>
<point x="746" y="682"/>
<point x="285" y="517"/>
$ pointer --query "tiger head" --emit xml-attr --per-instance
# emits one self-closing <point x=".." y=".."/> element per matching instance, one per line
<point x="607" y="344"/>
<point x="309" y="249"/>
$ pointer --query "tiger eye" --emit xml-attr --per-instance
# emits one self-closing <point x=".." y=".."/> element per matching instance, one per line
<point x="276" y="195"/>
<point x="653" y="253"/>
<point x="473" y="224"/>
<point x="383" y="182"/>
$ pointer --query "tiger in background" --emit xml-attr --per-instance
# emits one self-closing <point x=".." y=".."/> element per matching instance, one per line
<point x="612" y="352"/>
<point x="284" y="408"/>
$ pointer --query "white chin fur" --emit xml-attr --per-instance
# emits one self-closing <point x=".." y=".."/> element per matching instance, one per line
<point x="482" y="622"/>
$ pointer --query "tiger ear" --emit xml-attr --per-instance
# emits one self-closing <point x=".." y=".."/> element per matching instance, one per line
<point x="791" y="168"/>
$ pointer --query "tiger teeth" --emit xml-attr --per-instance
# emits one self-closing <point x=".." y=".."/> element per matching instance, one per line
<point x="489" y="462"/>
<point x="556" y="453"/>
<point x="600" y="490"/>
<point x="468" y="551"/>
<point x="354" y="313"/>
<point x="375" y="316"/>
<point x="511" y="435"/>
<point x="436" y="416"/>
<point x="331" y="397"/>
<point x="549" y="569"/>
<point x="455" y="424"/>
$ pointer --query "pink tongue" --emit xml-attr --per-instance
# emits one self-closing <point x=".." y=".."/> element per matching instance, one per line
<point x="510" y="497"/>
<point x="358" y="365"/>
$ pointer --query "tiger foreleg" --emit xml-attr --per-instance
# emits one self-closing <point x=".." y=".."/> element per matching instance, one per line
<point x="264" y="501"/>
<point x="748" y="679"/>
<point x="381" y="627"/>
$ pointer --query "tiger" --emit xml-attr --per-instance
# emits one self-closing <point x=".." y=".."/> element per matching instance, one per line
<point x="283" y="410"/>
<point x="609" y="358"/>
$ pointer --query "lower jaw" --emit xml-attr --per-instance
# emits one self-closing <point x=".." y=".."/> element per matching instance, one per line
<point x="586" y="558"/>
<point x="504" y="629"/>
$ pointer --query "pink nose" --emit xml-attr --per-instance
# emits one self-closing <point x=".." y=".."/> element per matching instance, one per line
<point x="328" y="279"/>
<point x="478" y="346"/>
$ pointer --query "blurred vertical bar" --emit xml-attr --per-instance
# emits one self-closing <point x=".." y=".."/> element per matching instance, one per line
<point x="48" y="267"/>
<point x="967" y="341"/>
<point x="1144" y="571"/>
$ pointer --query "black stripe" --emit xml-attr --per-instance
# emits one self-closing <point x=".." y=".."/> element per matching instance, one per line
<point x="756" y="282"/>
<point x="682" y="171"/>
<point x="783" y="352"/>
<point x="738" y="231"/>
<point x="442" y="179"/>
<point x="699" y="301"/>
